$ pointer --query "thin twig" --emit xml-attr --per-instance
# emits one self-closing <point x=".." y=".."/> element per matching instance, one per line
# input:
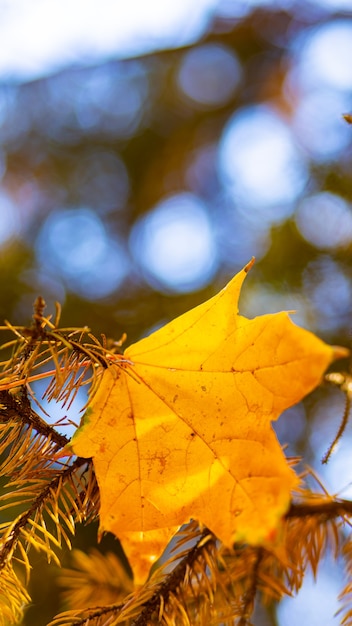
<point x="340" y="431"/>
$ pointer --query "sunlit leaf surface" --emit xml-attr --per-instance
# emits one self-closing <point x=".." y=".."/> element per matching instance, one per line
<point x="181" y="426"/>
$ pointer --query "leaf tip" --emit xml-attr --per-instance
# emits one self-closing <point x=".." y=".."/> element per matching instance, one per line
<point x="340" y="352"/>
<point x="249" y="265"/>
<point x="66" y="451"/>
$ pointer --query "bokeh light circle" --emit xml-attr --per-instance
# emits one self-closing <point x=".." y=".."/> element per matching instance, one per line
<point x="325" y="220"/>
<point x="319" y="126"/>
<point x="75" y="245"/>
<point x="328" y="291"/>
<point x="259" y="162"/>
<point x="174" y="244"/>
<point x="209" y="75"/>
<point x="325" y="56"/>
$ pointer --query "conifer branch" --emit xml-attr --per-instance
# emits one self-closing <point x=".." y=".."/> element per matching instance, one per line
<point x="151" y="601"/>
<point x="11" y="538"/>
<point x="19" y="409"/>
<point x="251" y="591"/>
<point x="197" y="583"/>
<point x="327" y="508"/>
<point x="173" y="580"/>
<point x="87" y="617"/>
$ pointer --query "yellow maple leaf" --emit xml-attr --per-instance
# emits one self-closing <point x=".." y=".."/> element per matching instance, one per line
<point x="180" y="426"/>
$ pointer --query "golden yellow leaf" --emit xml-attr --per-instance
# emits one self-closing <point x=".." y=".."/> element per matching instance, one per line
<point x="180" y="426"/>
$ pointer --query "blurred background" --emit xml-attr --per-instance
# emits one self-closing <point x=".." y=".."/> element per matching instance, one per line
<point x="149" y="149"/>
